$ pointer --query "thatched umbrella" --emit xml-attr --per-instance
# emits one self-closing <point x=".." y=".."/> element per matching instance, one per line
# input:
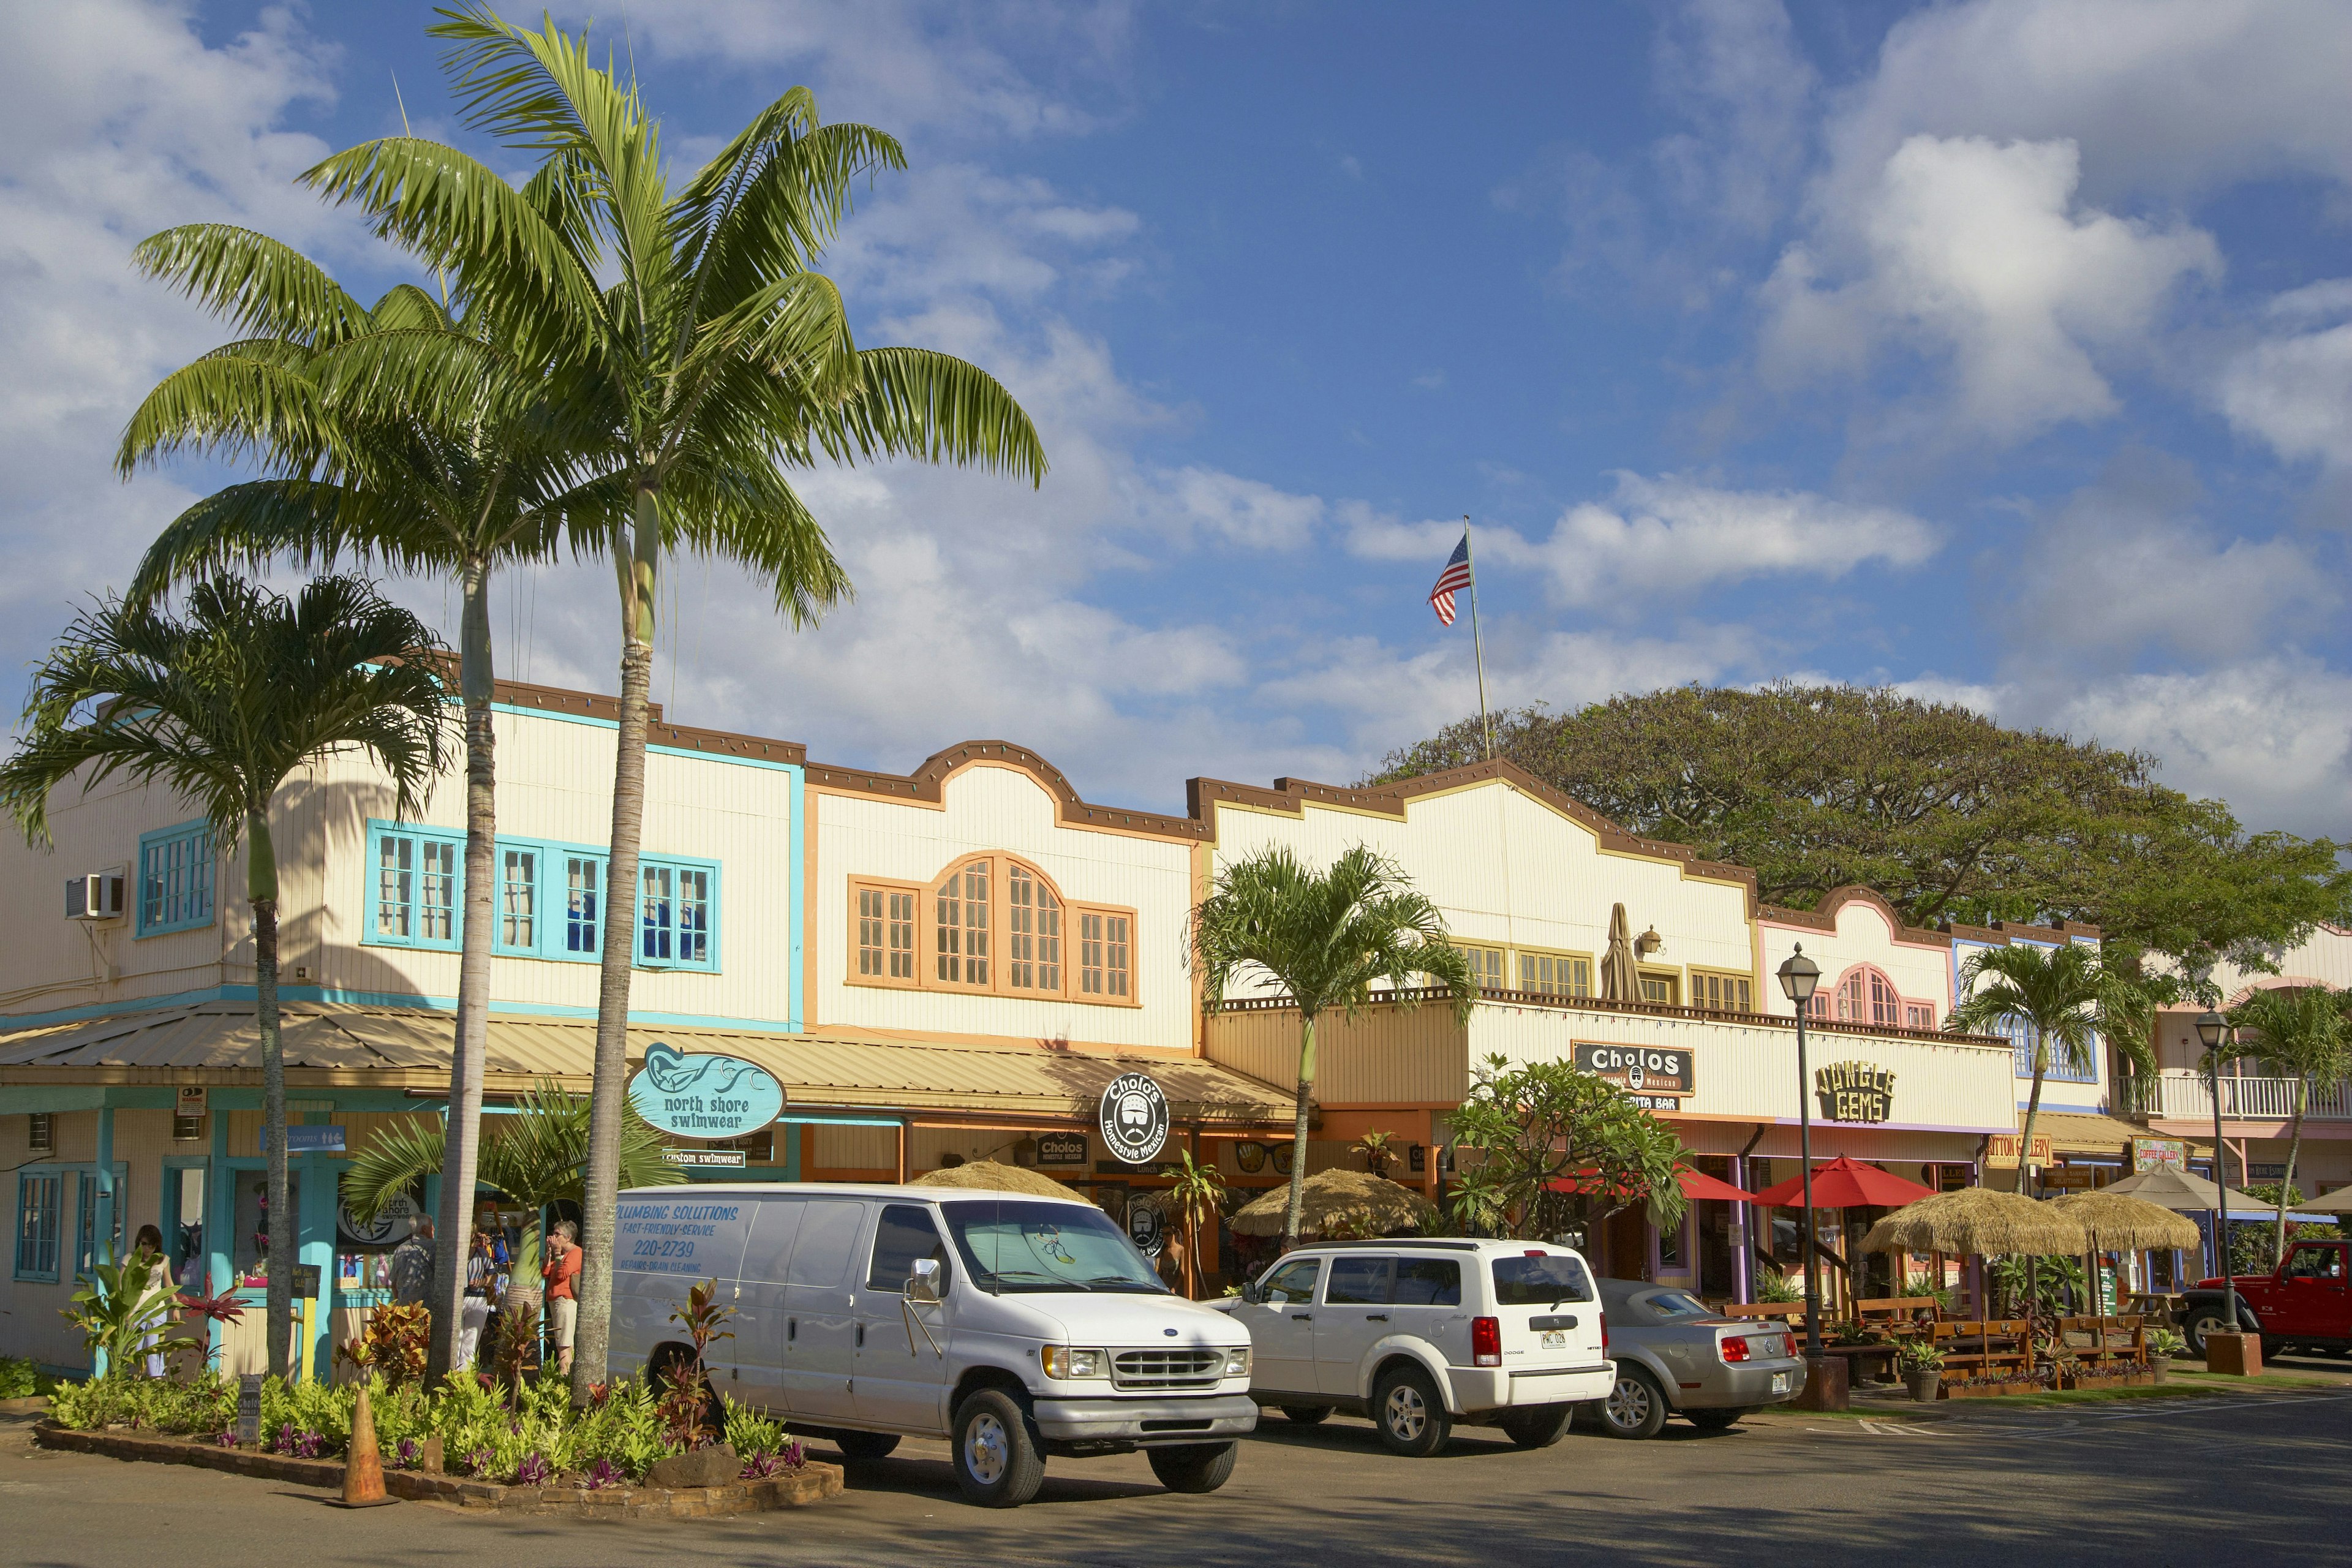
<point x="987" y="1175"/>
<point x="1979" y="1220"/>
<point x="1352" y="1201"/>
<point x="2127" y="1224"/>
<point x="1619" y="981"/>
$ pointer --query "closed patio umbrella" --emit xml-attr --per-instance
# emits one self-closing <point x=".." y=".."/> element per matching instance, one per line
<point x="1620" y="981"/>
<point x="1351" y="1201"/>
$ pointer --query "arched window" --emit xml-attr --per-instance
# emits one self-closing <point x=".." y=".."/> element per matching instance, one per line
<point x="961" y="945"/>
<point x="1033" y="931"/>
<point x="997" y="925"/>
<point x="1866" y="995"/>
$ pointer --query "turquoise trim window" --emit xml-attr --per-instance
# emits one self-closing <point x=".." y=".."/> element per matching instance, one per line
<point x="678" y="902"/>
<point x="86" y="1216"/>
<point x="413" y="877"/>
<point x="40" y="1200"/>
<point x="582" y="935"/>
<point x="518" y="917"/>
<point x="175" y="879"/>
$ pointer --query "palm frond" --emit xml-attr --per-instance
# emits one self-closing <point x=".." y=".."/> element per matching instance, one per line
<point x="257" y="284"/>
<point x="918" y="403"/>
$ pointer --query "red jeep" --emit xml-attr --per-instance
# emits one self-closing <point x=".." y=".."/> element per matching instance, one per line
<point x="2307" y="1302"/>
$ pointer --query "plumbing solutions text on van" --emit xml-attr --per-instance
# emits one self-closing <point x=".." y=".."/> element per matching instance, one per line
<point x="704" y="1095"/>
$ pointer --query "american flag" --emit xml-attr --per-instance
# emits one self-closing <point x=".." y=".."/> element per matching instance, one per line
<point x="1452" y="580"/>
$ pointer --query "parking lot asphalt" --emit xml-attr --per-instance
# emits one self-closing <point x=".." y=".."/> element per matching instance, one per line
<point x="2247" y="1477"/>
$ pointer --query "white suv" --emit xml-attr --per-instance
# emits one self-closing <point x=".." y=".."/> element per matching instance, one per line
<point x="1421" y="1335"/>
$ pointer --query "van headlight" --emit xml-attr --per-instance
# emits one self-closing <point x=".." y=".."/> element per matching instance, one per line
<point x="1237" y="1362"/>
<point x="1062" y="1362"/>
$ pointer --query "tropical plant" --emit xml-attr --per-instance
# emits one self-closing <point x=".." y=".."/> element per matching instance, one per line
<point x="392" y="1344"/>
<point x="1324" y="940"/>
<point x="686" y="1401"/>
<point x="1928" y="1288"/>
<point x="1561" y="1150"/>
<point x="122" y="1311"/>
<point x="2066" y="999"/>
<point x="717" y="360"/>
<point x="1918" y="1355"/>
<point x="406" y="436"/>
<point x="1771" y="1284"/>
<point x="221" y="707"/>
<point x="2165" y="1343"/>
<point x="1194" y="1190"/>
<point x="2302" y="1033"/>
<point x="2040" y="1288"/>
<point x="1374" y="1148"/>
<point x="224" y="1309"/>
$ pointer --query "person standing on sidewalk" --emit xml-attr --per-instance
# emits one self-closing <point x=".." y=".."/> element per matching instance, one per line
<point x="412" y="1266"/>
<point x="561" y="1270"/>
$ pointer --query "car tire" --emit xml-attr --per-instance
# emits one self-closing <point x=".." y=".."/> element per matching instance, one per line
<point x="1194" y="1467"/>
<point x="1410" y="1415"/>
<point x="996" y="1456"/>
<point x="1306" y="1414"/>
<point x="865" y="1445"/>
<point x="1537" y="1427"/>
<point x="1715" y="1420"/>
<point x="2203" y="1320"/>
<point x="1637" y="1407"/>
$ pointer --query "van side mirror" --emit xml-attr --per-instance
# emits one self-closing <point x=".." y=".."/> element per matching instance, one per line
<point x="1250" y="1292"/>
<point x="923" y="1284"/>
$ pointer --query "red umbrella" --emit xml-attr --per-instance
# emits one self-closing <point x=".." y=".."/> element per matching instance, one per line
<point x="1846" y="1183"/>
<point x="1694" y="1184"/>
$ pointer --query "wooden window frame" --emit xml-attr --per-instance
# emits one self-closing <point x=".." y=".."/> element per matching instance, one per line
<point x="1741" y="976"/>
<point x="1063" y="986"/>
<point x="1675" y="987"/>
<point x="1592" y="971"/>
<point x="991" y="907"/>
<point x="1074" y="955"/>
<point x="886" y="887"/>
<point x="1500" y="979"/>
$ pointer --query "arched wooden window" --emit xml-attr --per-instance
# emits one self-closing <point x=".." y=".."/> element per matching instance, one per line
<point x="1866" y="995"/>
<point x="997" y="925"/>
<point x="1033" y="931"/>
<point x="960" y="947"/>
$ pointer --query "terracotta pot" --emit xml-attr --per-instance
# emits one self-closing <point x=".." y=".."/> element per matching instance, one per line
<point x="1924" y="1385"/>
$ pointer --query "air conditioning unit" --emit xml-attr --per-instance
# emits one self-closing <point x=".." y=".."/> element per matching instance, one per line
<point x="96" y="896"/>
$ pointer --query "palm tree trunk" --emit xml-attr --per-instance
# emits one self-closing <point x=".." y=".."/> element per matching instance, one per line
<point x="477" y="678"/>
<point x="1299" y="1143"/>
<point x="2032" y="1111"/>
<point x="2286" y="1187"/>
<point x="261" y="892"/>
<point x="599" y="1209"/>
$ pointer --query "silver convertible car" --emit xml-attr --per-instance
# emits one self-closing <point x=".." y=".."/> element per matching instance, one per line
<point x="1676" y="1354"/>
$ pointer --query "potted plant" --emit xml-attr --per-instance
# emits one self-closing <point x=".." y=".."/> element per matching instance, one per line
<point x="2163" y="1345"/>
<point x="1922" y="1366"/>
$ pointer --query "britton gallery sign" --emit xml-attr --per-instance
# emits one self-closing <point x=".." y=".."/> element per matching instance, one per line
<point x="1855" y="1091"/>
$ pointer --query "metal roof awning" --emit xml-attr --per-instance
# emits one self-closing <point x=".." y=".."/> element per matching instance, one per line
<point x="2088" y="1132"/>
<point x="328" y="1045"/>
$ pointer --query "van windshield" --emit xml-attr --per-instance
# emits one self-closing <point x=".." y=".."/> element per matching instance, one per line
<point x="1012" y="1244"/>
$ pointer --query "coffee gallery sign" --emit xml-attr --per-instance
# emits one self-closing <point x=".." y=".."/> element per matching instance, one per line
<point x="704" y="1095"/>
<point x="1855" y="1091"/>
<point x="1657" y="1079"/>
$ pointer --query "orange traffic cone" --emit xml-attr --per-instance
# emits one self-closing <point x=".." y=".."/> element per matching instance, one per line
<point x="363" y="1467"/>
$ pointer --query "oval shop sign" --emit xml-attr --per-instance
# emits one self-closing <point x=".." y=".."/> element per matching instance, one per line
<point x="1133" y="1117"/>
<point x="704" y="1095"/>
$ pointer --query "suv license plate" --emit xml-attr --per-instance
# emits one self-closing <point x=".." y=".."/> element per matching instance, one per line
<point x="1780" y="1383"/>
<point x="1555" y="1340"/>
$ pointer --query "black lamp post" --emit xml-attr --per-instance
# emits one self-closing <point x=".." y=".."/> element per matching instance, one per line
<point x="1799" y="976"/>
<point x="2213" y="1029"/>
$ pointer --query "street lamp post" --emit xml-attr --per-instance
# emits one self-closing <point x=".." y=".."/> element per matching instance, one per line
<point x="2213" y="1029"/>
<point x="1799" y="976"/>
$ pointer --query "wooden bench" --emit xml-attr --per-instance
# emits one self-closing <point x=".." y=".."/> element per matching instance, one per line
<point x="1897" y="1315"/>
<point x="1992" y="1347"/>
<point x="1787" y="1311"/>
<point x="2099" y="1342"/>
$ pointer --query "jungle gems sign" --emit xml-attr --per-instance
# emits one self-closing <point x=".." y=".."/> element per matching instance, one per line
<point x="1855" y="1091"/>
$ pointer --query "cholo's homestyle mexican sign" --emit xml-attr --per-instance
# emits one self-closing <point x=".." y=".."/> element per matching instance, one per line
<point x="1133" y="1117"/>
<point x="704" y="1095"/>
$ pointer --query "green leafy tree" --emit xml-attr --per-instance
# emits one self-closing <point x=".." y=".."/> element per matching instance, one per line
<point x="1324" y="940"/>
<point x="2066" y="998"/>
<point x="1546" y="1123"/>
<point x="2301" y="1032"/>
<point x="718" y="357"/>
<point x="220" y="708"/>
<point x="1949" y="814"/>
<point x="404" y="435"/>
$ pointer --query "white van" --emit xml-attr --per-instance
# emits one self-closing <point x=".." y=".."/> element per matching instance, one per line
<point x="1013" y="1325"/>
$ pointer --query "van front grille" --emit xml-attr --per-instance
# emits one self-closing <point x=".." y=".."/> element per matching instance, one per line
<point x="1167" y="1369"/>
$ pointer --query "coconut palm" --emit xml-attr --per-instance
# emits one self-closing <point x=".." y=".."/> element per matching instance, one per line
<point x="1323" y="939"/>
<point x="2066" y="998"/>
<point x="2300" y="1031"/>
<point x="1194" y="1191"/>
<point x="406" y="436"/>
<point x="220" y="708"/>
<point x="697" y="328"/>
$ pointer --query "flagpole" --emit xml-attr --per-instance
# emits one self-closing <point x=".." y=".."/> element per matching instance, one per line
<point x="1478" y="645"/>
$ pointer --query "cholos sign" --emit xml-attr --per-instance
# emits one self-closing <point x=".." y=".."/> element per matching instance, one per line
<point x="704" y="1095"/>
<point x="1855" y="1091"/>
<point x="1641" y="1071"/>
<point x="1133" y="1117"/>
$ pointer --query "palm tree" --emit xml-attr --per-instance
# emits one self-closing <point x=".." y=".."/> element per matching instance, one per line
<point x="719" y="358"/>
<point x="1195" y="1189"/>
<point x="2066" y="998"/>
<point x="1323" y="939"/>
<point x="2300" y="1031"/>
<point x="220" y="708"/>
<point x="402" y="434"/>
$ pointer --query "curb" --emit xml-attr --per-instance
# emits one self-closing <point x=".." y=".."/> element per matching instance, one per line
<point x="812" y="1482"/>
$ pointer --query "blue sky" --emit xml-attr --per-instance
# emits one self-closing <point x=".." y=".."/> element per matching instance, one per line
<point x="2000" y="349"/>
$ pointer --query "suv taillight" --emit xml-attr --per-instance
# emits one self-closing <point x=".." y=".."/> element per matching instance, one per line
<point x="1734" y="1348"/>
<point x="1486" y="1341"/>
<point x="1605" y="1333"/>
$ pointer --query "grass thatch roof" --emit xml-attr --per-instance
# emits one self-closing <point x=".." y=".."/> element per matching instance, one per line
<point x="2120" y="1222"/>
<point x="1352" y="1202"/>
<point x="988" y="1175"/>
<point x="1978" y="1220"/>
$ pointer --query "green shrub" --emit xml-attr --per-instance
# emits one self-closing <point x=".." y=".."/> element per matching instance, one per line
<point x="23" y="1379"/>
<point x="748" y="1432"/>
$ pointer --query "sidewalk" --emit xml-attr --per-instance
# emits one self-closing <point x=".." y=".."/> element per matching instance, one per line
<point x="2184" y="1381"/>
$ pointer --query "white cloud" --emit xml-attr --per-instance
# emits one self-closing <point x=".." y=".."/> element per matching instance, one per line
<point x="1977" y="250"/>
<point x="2294" y="391"/>
<point x="1247" y="512"/>
<point x="1733" y="69"/>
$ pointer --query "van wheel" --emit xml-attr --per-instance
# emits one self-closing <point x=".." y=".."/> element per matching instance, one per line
<point x="1716" y="1420"/>
<point x="1537" y="1427"/>
<point x="1410" y="1415"/>
<point x="1306" y="1414"/>
<point x="1194" y="1467"/>
<point x="996" y="1458"/>
<point x="1636" y="1407"/>
<point x="865" y="1445"/>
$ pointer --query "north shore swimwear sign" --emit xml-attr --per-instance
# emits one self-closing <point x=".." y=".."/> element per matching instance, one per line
<point x="704" y="1095"/>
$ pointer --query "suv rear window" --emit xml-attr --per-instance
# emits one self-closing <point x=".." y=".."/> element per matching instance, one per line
<point x="1539" y="1279"/>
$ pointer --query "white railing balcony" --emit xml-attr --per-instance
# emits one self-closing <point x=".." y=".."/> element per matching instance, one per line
<point x="2187" y="1095"/>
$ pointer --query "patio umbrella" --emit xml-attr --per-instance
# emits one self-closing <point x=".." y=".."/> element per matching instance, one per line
<point x="1618" y="980"/>
<point x="988" y="1175"/>
<point x="2185" y="1193"/>
<point x="1846" y="1182"/>
<point x="1978" y="1220"/>
<point x="2127" y="1224"/>
<point x="1350" y="1200"/>
<point x="2338" y="1202"/>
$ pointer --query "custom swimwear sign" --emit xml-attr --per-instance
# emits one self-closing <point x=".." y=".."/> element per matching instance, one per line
<point x="704" y="1095"/>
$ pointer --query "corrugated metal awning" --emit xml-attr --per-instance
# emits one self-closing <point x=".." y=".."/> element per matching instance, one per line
<point x="409" y="1048"/>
